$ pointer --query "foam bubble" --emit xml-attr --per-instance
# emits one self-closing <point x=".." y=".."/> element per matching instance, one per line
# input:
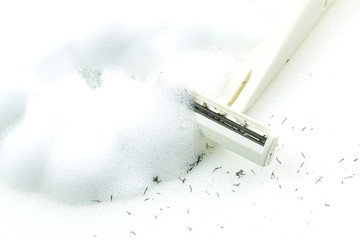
<point x="79" y="144"/>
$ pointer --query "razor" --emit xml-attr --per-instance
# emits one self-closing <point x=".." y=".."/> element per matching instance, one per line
<point x="223" y="120"/>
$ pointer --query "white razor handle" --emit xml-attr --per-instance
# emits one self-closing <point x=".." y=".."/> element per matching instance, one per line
<point x="264" y="63"/>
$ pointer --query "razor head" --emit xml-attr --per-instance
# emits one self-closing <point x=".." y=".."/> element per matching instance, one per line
<point x="235" y="131"/>
<point x="236" y="124"/>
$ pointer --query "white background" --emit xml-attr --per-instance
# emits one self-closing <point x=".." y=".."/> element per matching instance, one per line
<point x="311" y="194"/>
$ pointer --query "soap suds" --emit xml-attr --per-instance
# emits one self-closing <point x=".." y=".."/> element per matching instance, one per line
<point x="111" y="111"/>
<point x="79" y="144"/>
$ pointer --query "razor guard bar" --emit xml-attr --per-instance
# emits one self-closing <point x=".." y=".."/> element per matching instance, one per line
<point x="221" y="118"/>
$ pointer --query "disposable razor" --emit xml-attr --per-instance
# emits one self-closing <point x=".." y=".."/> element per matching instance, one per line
<point x="222" y="120"/>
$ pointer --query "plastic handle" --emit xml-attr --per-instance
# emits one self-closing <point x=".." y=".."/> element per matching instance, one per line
<point x="265" y="61"/>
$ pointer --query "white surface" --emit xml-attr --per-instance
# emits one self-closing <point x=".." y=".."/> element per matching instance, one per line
<point x="317" y="89"/>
